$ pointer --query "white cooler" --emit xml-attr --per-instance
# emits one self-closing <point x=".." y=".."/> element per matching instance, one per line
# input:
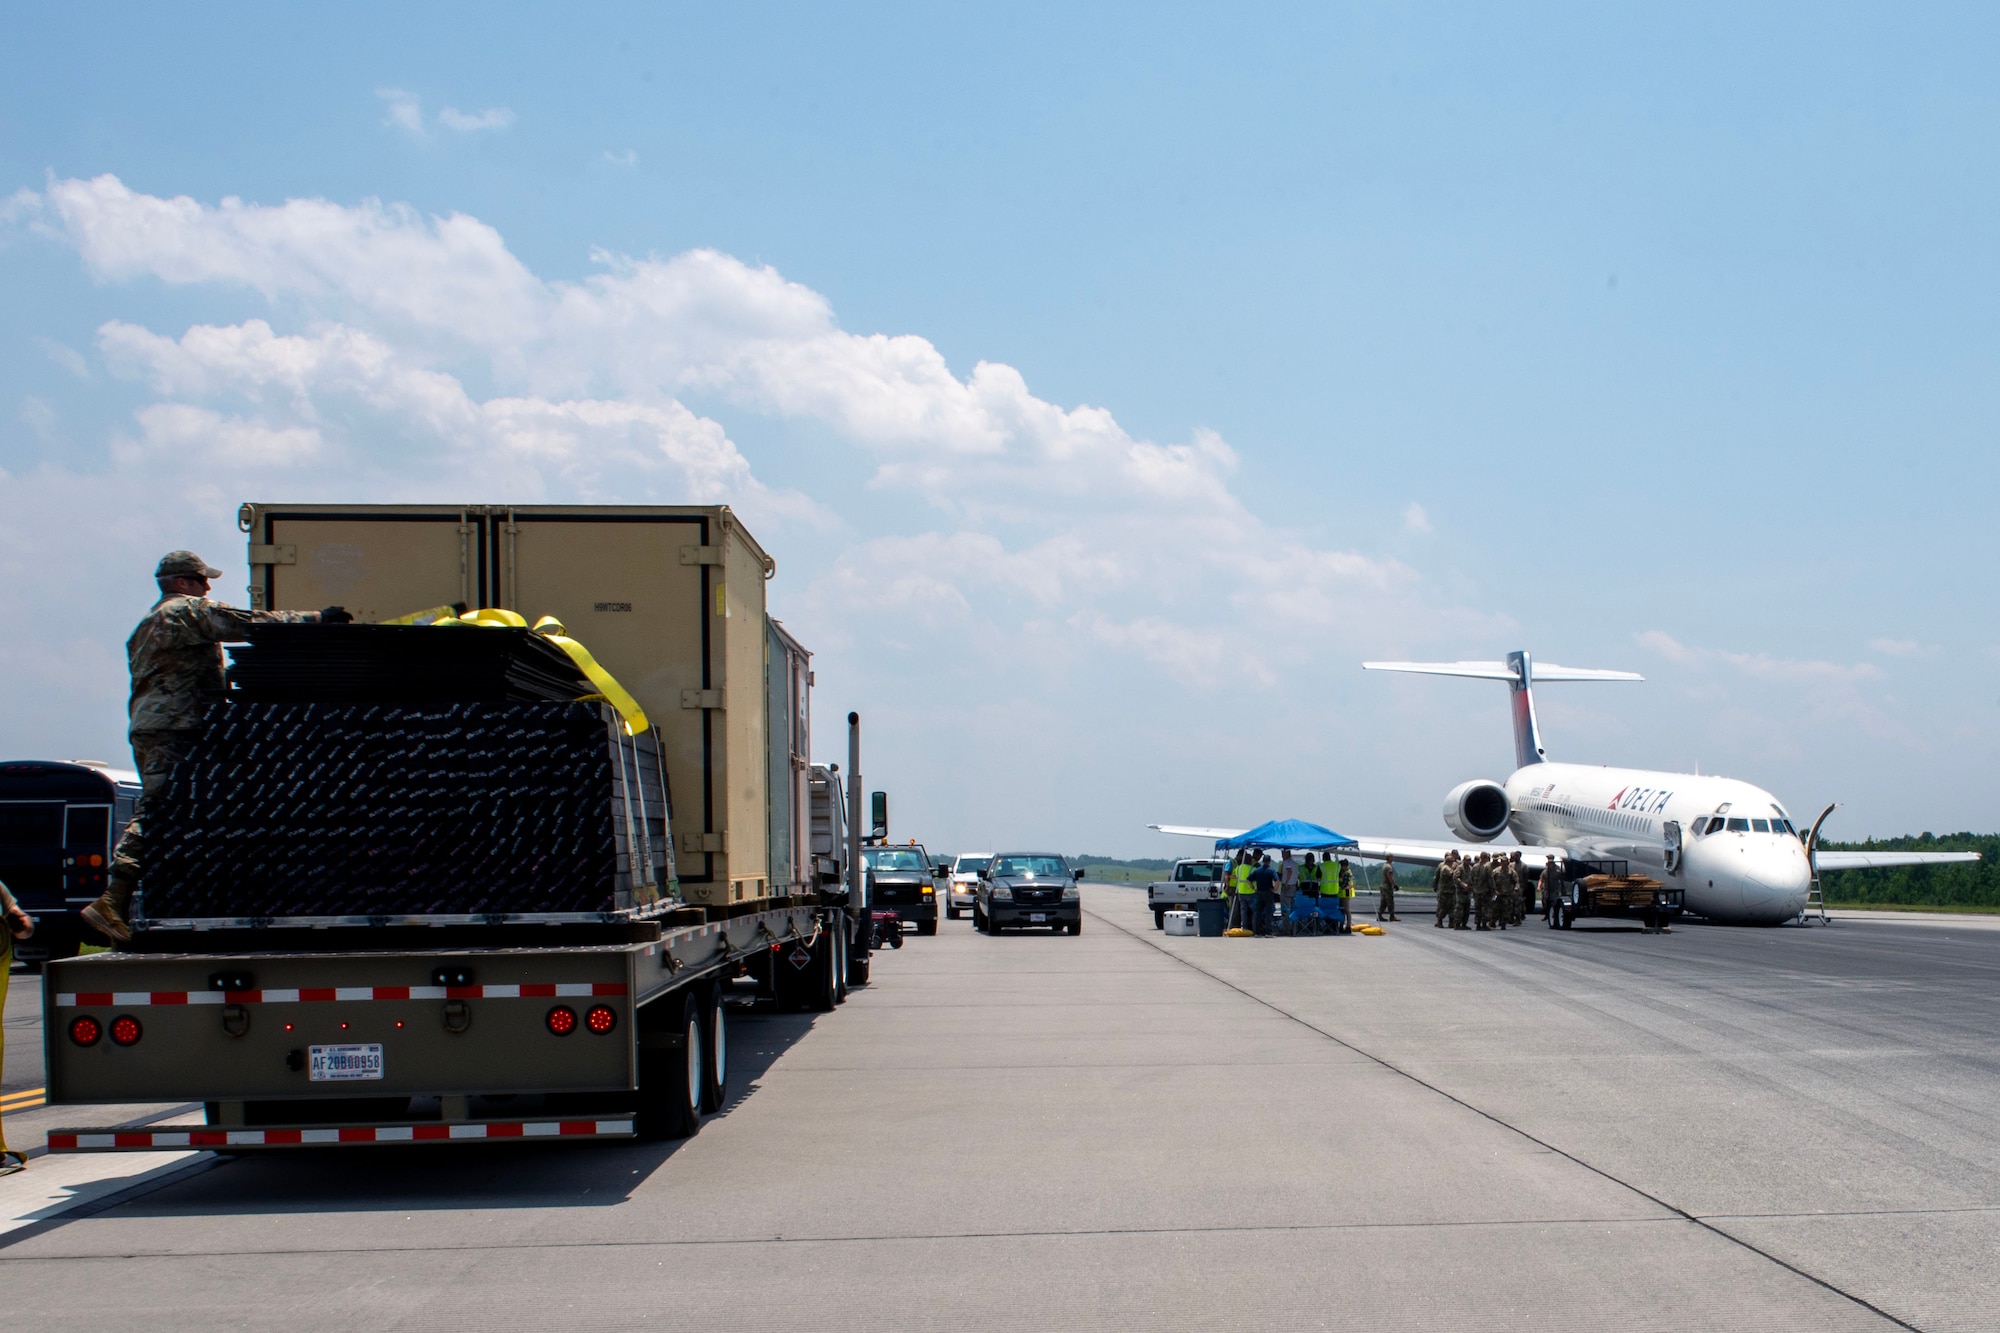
<point x="1180" y="923"/>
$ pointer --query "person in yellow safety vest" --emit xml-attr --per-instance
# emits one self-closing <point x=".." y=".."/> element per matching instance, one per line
<point x="1346" y="873"/>
<point x="1241" y="893"/>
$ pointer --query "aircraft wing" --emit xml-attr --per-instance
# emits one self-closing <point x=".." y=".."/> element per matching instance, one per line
<point x="1422" y="852"/>
<point x="1189" y="830"/>
<point x="1410" y="851"/>
<point x="1883" y="859"/>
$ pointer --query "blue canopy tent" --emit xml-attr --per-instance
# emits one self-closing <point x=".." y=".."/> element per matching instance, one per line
<point x="1297" y="834"/>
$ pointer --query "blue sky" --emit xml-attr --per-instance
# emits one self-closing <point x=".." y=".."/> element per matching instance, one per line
<point x="1655" y="341"/>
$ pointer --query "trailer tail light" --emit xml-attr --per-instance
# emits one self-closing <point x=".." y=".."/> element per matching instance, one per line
<point x="125" y="1030"/>
<point x="562" y="1020"/>
<point x="85" y="1030"/>
<point x="601" y="1019"/>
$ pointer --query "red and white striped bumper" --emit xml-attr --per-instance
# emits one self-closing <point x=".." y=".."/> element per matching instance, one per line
<point x="201" y="1136"/>
<point x="529" y="990"/>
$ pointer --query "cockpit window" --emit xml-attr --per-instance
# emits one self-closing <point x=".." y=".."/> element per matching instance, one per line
<point x="1740" y="825"/>
<point x="1761" y="825"/>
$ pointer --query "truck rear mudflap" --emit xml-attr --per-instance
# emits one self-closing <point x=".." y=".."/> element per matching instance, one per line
<point x="197" y="1137"/>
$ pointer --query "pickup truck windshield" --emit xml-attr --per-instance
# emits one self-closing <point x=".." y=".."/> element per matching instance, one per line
<point x="1052" y="866"/>
<point x="969" y="865"/>
<point x="894" y="858"/>
<point x="1199" y="872"/>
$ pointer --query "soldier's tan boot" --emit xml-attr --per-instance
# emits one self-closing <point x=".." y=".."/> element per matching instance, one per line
<point x="105" y="916"/>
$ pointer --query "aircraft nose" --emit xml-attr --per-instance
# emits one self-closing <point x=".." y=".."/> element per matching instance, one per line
<point x="1777" y="879"/>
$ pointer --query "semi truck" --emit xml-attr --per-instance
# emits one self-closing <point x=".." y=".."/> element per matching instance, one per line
<point x="407" y="981"/>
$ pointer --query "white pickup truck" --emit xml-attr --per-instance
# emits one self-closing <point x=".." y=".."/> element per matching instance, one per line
<point x="1193" y="879"/>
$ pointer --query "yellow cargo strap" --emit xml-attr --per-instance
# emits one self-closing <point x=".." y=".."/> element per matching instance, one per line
<point x="607" y="685"/>
<point x="609" y="691"/>
<point x="430" y="615"/>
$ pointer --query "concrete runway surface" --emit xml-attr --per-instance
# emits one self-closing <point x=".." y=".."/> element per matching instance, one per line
<point x="1711" y="1129"/>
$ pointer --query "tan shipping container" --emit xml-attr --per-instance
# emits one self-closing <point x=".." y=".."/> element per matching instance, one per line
<point x="668" y="598"/>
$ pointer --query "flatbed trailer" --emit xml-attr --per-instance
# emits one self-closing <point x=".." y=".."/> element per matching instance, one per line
<point x="1605" y="889"/>
<point x="611" y="1038"/>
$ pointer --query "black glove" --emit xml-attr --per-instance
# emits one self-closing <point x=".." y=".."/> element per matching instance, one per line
<point x="336" y="615"/>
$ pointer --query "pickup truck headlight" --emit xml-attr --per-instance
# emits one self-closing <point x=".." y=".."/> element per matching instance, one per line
<point x="1002" y="892"/>
<point x="1071" y="893"/>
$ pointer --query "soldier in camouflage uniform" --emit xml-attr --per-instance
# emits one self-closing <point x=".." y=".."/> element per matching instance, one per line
<point x="1461" y="898"/>
<point x="1513" y="884"/>
<point x="177" y="672"/>
<point x="1483" y="891"/>
<point x="1445" y="880"/>
<point x="1552" y="886"/>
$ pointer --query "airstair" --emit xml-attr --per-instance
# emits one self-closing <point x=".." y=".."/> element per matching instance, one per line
<point x="1815" y="907"/>
<point x="1815" y="904"/>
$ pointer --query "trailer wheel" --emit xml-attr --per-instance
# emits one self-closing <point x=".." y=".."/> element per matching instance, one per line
<point x="840" y="959"/>
<point x="857" y="958"/>
<point x="819" y="984"/>
<point x="715" y="1067"/>
<point x="670" y="1077"/>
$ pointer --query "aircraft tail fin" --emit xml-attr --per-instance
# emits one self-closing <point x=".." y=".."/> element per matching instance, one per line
<point x="1520" y="673"/>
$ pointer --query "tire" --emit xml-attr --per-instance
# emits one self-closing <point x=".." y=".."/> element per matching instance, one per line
<point x="951" y="913"/>
<point x="822" y="990"/>
<point x="670" y="1077"/>
<point x="978" y="919"/>
<point x="840" y="961"/>
<point x="926" y="927"/>
<point x="857" y="960"/>
<point x="715" y="1051"/>
<point x="1159" y="918"/>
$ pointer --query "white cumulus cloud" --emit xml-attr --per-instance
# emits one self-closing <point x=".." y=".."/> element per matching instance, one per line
<point x="403" y="355"/>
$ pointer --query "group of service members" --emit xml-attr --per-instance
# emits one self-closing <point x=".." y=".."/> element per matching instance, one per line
<point x="1259" y="890"/>
<point x="1490" y="891"/>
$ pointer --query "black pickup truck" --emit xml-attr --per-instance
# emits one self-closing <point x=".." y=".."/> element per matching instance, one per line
<point x="903" y="881"/>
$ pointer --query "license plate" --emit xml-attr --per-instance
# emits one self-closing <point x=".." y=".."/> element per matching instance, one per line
<point x="345" y="1063"/>
<point x="1038" y="916"/>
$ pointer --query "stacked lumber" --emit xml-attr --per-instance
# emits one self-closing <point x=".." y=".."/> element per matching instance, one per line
<point x="1625" y="890"/>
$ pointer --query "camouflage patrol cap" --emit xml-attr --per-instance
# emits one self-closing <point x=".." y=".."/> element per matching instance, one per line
<point x="185" y="565"/>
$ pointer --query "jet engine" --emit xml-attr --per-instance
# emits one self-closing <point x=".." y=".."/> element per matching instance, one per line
<point x="1477" y="811"/>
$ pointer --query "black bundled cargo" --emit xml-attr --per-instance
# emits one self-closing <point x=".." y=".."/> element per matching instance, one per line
<point x="400" y="664"/>
<point x="373" y="813"/>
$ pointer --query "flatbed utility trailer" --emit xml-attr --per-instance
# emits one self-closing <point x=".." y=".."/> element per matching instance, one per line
<point x="1605" y="889"/>
<point x="452" y="987"/>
